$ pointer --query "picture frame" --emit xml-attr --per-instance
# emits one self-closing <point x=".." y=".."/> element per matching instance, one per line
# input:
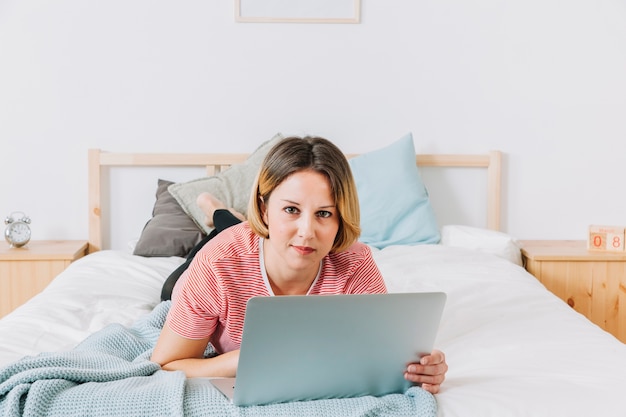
<point x="298" y="11"/>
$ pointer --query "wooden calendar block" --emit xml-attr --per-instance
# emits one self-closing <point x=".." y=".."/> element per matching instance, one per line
<point x="606" y="238"/>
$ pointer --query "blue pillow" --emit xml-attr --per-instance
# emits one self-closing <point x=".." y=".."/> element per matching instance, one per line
<point x="395" y="208"/>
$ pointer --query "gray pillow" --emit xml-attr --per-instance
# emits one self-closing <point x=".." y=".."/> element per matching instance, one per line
<point x="231" y="186"/>
<point x="170" y="232"/>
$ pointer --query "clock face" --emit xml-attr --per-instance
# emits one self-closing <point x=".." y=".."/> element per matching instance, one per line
<point x="18" y="234"/>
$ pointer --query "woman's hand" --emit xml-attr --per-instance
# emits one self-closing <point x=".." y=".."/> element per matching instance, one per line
<point x="429" y="372"/>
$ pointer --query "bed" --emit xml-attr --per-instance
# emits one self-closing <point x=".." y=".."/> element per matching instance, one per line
<point x="513" y="348"/>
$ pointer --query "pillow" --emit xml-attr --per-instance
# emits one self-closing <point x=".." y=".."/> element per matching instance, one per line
<point x="170" y="232"/>
<point x="484" y="240"/>
<point x="232" y="186"/>
<point x="395" y="208"/>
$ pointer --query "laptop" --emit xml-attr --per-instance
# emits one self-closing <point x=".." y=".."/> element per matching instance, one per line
<point x="298" y="348"/>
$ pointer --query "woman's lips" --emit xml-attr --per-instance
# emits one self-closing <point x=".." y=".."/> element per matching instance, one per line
<point x="303" y="250"/>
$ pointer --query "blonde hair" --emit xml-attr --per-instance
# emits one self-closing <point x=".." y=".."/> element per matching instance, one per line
<point x="295" y="154"/>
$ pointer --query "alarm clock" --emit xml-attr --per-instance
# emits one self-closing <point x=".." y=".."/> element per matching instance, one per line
<point x="17" y="232"/>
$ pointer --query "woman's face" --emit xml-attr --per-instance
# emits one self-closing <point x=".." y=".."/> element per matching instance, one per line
<point x="302" y="221"/>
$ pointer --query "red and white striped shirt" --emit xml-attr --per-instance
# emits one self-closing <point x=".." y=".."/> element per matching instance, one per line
<point x="209" y="300"/>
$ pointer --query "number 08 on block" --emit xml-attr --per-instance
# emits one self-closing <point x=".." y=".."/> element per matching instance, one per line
<point x="606" y="238"/>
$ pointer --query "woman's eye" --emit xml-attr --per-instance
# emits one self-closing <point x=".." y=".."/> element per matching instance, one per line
<point x="291" y="210"/>
<point x="324" y="214"/>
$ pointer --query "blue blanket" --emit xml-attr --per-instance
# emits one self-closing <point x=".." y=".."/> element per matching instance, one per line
<point x="110" y="374"/>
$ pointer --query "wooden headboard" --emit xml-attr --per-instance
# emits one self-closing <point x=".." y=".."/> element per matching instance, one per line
<point x="215" y="163"/>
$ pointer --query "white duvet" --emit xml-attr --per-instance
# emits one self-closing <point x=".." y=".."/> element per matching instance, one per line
<point x="98" y="289"/>
<point x="513" y="348"/>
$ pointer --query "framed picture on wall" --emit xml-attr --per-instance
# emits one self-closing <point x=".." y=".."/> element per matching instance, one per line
<point x="298" y="11"/>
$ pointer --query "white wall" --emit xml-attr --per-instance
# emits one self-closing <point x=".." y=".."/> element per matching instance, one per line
<point x="542" y="80"/>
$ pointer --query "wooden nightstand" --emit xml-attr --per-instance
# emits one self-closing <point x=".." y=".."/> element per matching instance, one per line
<point x="26" y="271"/>
<point x="593" y="283"/>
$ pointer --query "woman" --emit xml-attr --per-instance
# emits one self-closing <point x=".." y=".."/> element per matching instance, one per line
<point x="300" y="239"/>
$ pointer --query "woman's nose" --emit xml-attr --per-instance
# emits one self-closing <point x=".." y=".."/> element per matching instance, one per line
<point x="306" y="226"/>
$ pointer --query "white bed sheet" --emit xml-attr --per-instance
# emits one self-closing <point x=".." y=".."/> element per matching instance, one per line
<point x="513" y="348"/>
<point x="101" y="288"/>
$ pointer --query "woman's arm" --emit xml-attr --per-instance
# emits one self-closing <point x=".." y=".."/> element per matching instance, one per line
<point x="176" y="353"/>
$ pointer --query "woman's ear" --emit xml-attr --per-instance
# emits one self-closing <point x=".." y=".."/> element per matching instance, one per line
<point x="263" y="208"/>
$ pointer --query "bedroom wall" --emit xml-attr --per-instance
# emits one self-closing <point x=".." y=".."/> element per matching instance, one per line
<point x="541" y="80"/>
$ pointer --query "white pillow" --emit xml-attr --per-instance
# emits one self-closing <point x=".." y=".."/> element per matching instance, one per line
<point x="485" y="240"/>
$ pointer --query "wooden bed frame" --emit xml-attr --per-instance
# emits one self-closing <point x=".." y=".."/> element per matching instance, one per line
<point x="215" y="163"/>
